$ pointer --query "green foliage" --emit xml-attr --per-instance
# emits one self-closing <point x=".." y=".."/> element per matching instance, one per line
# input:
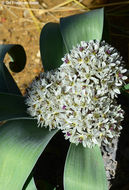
<point x="21" y="144"/>
<point x="31" y="185"/>
<point x="84" y="169"/>
<point x="12" y="107"/>
<point x="18" y="60"/>
<point x="86" y="26"/>
<point x="124" y="90"/>
<point x="126" y="87"/>
<point x="51" y="46"/>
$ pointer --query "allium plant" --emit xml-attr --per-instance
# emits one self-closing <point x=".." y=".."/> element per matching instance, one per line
<point x="76" y="94"/>
<point x="79" y="97"/>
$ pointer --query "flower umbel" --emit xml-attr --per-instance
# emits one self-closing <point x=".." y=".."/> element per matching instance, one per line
<point x="79" y="97"/>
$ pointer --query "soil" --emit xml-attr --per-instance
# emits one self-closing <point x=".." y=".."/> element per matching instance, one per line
<point x="17" y="26"/>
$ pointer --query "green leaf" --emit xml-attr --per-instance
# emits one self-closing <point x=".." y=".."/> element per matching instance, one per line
<point x="51" y="46"/>
<point x="7" y="83"/>
<point x="43" y="184"/>
<point x="21" y="144"/>
<point x="18" y="60"/>
<point x="124" y="92"/>
<point x="31" y="185"/>
<point x="106" y="29"/>
<point x="12" y="107"/>
<point x="82" y="27"/>
<point x="17" y="55"/>
<point x="126" y="87"/>
<point x="84" y="169"/>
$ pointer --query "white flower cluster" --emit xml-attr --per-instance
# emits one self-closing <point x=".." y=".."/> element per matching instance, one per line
<point x="79" y="97"/>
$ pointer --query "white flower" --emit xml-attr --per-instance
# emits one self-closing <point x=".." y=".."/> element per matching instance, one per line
<point x="79" y="97"/>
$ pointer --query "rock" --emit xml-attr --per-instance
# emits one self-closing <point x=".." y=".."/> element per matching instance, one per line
<point x="38" y="54"/>
<point x="44" y="5"/>
<point x="26" y="13"/>
<point x="1" y="7"/>
<point x="3" y="41"/>
<point x="36" y="70"/>
<point x="37" y="60"/>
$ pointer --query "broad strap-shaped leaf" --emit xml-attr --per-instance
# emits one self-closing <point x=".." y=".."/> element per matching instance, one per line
<point x="84" y="169"/>
<point x="7" y="83"/>
<point x="18" y="60"/>
<point x="17" y="55"/>
<point x="12" y="107"/>
<point x="31" y="185"/>
<point x="106" y="29"/>
<point x="51" y="46"/>
<point x="21" y="144"/>
<point x="82" y="27"/>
